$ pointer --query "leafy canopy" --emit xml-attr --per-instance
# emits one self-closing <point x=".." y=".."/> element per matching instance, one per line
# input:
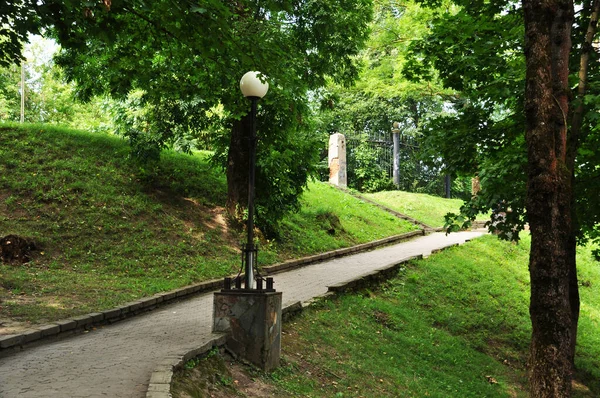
<point x="476" y="48"/>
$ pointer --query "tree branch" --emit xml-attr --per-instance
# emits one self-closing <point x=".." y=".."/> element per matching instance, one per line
<point x="577" y="120"/>
<point x="170" y="34"/>
<point x="154" y="24"/>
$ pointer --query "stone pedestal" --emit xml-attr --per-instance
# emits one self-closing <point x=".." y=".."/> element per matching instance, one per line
<point x="337" y="160"/>
<point x="252" y="320"/>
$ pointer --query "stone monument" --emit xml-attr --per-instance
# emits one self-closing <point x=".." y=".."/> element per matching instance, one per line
<point x="337" y="160"/>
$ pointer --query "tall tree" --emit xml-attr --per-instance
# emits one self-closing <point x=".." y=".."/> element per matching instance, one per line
<point x="478" y="49"/>
<point x="549" y="193"/>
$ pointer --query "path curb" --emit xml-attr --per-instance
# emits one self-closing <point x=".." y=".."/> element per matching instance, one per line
<point x="384" y="273"/>
<point x="16" y="342"/>
<point x="160" y="380"/>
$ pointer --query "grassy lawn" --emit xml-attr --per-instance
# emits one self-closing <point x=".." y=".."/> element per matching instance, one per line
<point x="453" y="325"/>
<point x="109" y="232"/>
<point x="425" y="208"/>
<point x="341" y="219"/>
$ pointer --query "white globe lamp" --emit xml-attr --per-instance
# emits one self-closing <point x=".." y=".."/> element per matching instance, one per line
<point x="252" y="86"/>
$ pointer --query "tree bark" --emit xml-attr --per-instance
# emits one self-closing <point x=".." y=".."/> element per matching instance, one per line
<point x="237" y="168"/>
<point x="549" y="195"/>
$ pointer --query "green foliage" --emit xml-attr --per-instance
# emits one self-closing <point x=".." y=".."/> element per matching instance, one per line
<point x="48" y="97"/>
<point x="483" y="133"/>
<point x="10" y="99"/>
<point x="133" y="120"/>
<point x="365" y="170"/>
<point x="587" y="183"/>
<point x="18" y="19"/>
<point x="383" y="96"/>
<point x="477" y="49"/>
<point x="168" y="50"/>
<point x="287" y="155"/>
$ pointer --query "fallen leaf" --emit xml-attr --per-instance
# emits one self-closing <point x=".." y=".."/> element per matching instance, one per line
<point x="491" y="380"/>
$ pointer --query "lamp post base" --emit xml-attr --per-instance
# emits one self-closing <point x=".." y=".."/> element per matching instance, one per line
<point x="252" y="320"/>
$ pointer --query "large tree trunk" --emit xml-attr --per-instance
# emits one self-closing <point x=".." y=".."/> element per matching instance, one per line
<point x="549" y="195"/>
<point x="237" y="168"/>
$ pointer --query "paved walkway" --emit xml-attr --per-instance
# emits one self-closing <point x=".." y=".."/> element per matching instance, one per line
<point x="117" y="360"/>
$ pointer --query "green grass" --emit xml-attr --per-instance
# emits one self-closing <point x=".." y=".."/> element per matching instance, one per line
<point x="588" y="336"/>
<point x="425" y="208"/>
<point x="110" y="232"/>
<point x="342" y="219"/>
<point x="453" y="325"/>
<point x="202" y="377"/>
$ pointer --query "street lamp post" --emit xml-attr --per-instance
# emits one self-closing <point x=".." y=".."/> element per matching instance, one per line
<point x="253" y="89"/>
<point x="250" y="317"/>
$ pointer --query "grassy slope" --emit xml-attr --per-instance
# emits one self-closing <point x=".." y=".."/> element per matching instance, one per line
<point x="110" y="234"/>
<point x="453" y="325"/>
<point x="340" y="214"/>
<point x="425" y="208"/>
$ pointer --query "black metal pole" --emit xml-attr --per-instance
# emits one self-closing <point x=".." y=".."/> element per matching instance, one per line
<point x="250" y="252"/>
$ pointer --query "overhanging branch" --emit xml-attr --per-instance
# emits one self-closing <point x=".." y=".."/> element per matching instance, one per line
<point x="577" y="120"/>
